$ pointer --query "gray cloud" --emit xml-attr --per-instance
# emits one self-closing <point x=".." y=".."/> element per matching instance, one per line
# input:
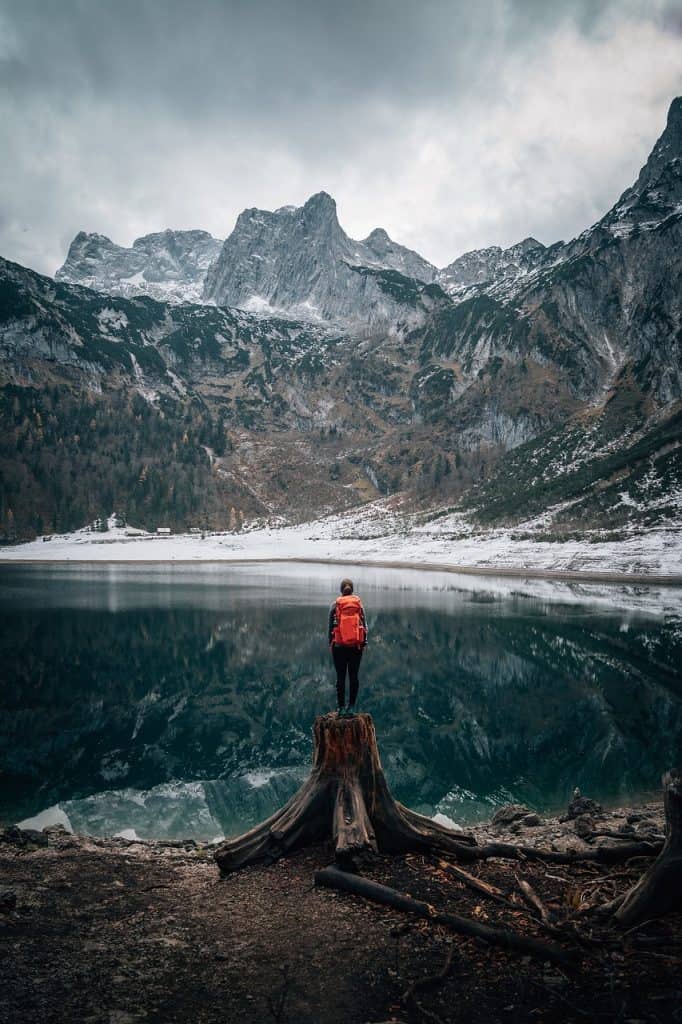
<point x="451" y="128"/>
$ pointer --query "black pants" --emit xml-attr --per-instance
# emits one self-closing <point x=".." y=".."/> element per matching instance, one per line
<point x="346" y="659"/>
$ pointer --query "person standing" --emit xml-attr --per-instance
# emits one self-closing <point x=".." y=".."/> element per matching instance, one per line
<point x="347" y="636"/>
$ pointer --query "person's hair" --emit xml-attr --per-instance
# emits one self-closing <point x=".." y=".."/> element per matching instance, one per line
<point x="346" y="587"/>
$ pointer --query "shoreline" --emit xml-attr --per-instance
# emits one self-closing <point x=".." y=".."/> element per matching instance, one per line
<point x="566" y="575"/>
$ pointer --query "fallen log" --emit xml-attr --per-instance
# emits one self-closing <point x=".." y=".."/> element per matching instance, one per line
<point x="600" y="855"/>
<point x="345" y="798"/>
<point x="659" y="890"/>
<point x="333" y="878"/>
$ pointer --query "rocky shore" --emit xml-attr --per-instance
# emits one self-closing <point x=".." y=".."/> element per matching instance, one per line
<point x="120" y="932"/>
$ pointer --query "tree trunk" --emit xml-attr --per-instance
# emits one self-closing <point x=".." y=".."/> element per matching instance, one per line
<point x="659" y="890"/>
<point x="345" y="798"/>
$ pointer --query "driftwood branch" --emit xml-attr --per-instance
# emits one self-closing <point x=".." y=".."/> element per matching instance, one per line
<point x="477" y="884"/>
<point x="332" y="878"/>
<point x="534" y="901"/>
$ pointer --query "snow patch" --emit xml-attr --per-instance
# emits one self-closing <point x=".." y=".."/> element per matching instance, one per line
<point x="54" y="815"/>
<point x="258" y="779"/>
<point x="442" y="819"/>
<point x="113" y="319"/>
<point x="128" y="833"/>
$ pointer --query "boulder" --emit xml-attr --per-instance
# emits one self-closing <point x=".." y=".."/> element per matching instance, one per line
<point x="16" y="836"/>
<point x="581" y="805"/>
<point x="510" y="815"/>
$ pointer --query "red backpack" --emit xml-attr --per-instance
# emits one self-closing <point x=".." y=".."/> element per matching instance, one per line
<point x="349" y="630"/>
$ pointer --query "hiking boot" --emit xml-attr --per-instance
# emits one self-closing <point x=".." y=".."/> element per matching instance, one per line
<point x="350" y="711"/>
<point x="341" y="711"/>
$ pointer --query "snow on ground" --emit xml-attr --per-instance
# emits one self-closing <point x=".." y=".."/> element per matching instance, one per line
<point x="54" y="815"/>
<point x="379" y="533"/>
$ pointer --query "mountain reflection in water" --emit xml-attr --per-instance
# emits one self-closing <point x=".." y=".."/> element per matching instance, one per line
<point x="178" y="701"/>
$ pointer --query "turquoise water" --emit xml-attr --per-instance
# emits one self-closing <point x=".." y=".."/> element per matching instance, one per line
<point x="178" y="701"/>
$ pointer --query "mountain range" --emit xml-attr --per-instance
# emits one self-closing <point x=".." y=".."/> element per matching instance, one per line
<point x="295" y="261"/>
<point x="290" y="371"/>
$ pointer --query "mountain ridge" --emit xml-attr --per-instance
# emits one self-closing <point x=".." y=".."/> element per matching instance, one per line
<point x="296" y="260"/>
<point x="124" y="271"/>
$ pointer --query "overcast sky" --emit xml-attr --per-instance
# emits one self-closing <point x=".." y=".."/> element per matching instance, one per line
<point x="453" y="128"/>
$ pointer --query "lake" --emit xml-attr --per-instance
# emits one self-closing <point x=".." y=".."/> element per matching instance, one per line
<point x="177" y="701"/>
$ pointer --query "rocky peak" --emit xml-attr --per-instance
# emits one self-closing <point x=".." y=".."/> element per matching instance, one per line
<point x="168" y="265"/>
<point x="675" y="114"/>
<point x="380" y="248"/>
<point x="299" y="260"/>
<point x="526" y="245"/>
<point x="667" y="149"/>
<point x="657" y="193"/>
<point x="320" y="207"/>
<point x="317" y="217"/>
<point x="89" y="243"/>
<point x="172" y="238"/>
<point x="489" y="267"/>
<point x="378" y="238"/>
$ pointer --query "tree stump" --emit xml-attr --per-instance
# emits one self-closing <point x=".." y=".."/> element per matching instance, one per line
<point x="345" y="798"/>
<point x="659" y="890"/>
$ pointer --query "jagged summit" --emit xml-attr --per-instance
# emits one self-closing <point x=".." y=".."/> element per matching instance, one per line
<point x="299" y="260"/>
<point x="321" y="201"/>
<point x="667" y="148"/>
<point x="172" y="236"/>
<point x="169" y="265"/>
<point x="657" y="193"/>
<point x="86" y="245"/>
<point x="90" y="236"/>
<point x="390" y="254"/>
<point x="492" y="265"/>
<point x="526" y="244"/>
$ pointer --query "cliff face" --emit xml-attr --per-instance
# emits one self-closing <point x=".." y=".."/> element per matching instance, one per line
<point x="299" y="260"/>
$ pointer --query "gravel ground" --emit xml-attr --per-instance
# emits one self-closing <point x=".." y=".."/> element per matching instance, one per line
<point x="111" y="931"/>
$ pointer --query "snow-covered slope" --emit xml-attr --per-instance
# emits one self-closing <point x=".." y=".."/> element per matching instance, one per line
<point x="381" y="533"/>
